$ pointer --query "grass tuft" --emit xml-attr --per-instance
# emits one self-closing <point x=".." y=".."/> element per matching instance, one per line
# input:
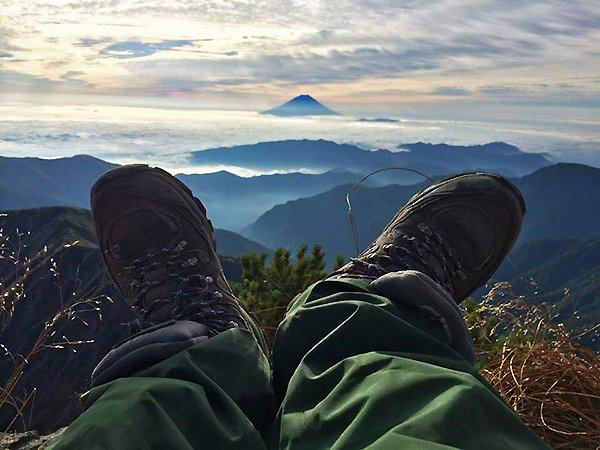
<point x="539" y="368"/>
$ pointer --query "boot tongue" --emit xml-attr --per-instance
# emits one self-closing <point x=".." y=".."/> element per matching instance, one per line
<point x="152" y="231"/>
<point x="162" y="291"/>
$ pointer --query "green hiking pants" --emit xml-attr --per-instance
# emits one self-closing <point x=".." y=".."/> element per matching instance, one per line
<point x="352" y="369"/>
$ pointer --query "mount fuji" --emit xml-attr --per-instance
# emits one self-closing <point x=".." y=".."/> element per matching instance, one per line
<point x="303" y="105"/>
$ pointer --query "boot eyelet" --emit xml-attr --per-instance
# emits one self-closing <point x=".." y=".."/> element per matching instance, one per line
<point x="425" y="229"/>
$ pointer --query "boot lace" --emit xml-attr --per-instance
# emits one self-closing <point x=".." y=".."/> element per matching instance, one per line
<point x="197" y="297"/>
<point x="419" y="248"/>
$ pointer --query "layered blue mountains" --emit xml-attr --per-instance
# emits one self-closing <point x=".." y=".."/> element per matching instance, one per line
<point x="322" y="155"/>
<point x="265" y="212"/>
<point x="235" y="202"/>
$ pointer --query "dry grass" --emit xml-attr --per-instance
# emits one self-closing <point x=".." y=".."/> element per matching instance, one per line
<point x="24" y="275"/>
<point x="550" y="380"/>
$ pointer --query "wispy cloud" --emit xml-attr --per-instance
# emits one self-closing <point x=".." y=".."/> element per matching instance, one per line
<point x="451" y="91"/>
<point x="91" y="42"/>
<point x="502" y="90"/>
<point x="443" y="50"/>
<point x="72" y="77"/>
<point x="13" y="81"/>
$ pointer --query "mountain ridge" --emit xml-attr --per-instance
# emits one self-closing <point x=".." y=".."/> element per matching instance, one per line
<point x="235" y="202"/>
<point x="549" y="201"/>
<point x="34" y="182"/>
<point x="325" y="155"/>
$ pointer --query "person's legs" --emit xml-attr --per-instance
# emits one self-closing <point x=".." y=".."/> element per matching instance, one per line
<point x="378" y="356"/>
<point x="214" y="394"/>
<point x="360" y="369"/>
<point x="196" y="373"/>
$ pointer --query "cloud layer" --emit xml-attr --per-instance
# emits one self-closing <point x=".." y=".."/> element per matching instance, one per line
<point x="350" y="52"/>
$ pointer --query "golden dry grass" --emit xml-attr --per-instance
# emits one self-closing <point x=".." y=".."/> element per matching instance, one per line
<point x="550" y="380"/>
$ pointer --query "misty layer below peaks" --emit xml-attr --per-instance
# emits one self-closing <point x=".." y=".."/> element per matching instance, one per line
<point x="236" y="202"/>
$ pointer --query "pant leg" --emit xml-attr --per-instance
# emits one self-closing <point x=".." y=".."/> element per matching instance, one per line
<point x="216" y="394"/>
<point x="355" y="369"/>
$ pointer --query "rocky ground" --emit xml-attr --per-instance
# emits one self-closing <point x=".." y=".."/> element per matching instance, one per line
<point x="31" y="440"/>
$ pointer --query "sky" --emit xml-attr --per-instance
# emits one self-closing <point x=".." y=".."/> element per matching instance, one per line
<point x="363" y="55"/>
<point x="154" y="80"/>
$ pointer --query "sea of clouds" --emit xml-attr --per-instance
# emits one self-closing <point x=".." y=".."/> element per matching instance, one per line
<point x="166" y="137"/>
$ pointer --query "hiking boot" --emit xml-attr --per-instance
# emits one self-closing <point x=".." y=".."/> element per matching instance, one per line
<point x="457" y="232"/>
<point x="158" y="247"/>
